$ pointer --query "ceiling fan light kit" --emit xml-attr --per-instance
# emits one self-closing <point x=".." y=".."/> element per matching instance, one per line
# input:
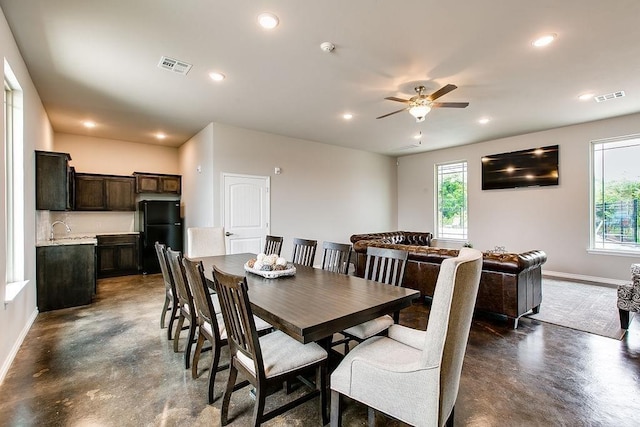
<point x="420" y="105"/>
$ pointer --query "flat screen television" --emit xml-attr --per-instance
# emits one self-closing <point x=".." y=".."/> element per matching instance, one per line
<point x="525" y="168"/>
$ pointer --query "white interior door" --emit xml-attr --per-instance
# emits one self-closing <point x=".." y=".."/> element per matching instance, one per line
<point x="246" y="212"/>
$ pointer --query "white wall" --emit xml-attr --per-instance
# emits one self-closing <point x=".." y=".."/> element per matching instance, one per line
<point x="16" y="317"/>
<point x="554" y="219"/>
<point x="324" y="192"/>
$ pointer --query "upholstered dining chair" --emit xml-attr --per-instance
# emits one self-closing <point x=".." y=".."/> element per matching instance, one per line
<point x="171" y="303"/>
<point x="205" y="241"/>
<point x="273" y="245"/>
<point x="414" y="375"/>
<point x="336" y="257"/>
<point x="265" y="361"/>
<point x="186" y="306"/>
<point x="384" y="266"/>
<point x="304" y="251"/>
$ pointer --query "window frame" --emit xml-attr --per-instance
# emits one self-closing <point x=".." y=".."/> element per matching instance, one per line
<point x="464" y="165"/>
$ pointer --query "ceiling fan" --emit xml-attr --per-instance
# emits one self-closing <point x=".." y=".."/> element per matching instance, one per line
<point x="420" y="105"/>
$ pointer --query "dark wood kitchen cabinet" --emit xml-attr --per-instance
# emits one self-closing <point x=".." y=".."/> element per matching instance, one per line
<point x="95" y="192"/>
<point x="53" y="179"/>
<point x="157" y="183"/>
<point x="117" y="254"/>
<point x="66" y="276"/>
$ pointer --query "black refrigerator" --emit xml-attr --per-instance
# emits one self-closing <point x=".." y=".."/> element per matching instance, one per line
<point x="159" y="222"/>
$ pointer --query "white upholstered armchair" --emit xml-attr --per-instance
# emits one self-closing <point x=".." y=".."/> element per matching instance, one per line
<point x="414" y="375"/>
<point x="205" y="241"/>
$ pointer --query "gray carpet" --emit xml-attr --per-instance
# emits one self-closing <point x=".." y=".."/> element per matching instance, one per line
<point x="585" y="307"/>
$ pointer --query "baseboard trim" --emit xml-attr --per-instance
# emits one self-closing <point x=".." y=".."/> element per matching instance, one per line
<point x="602" y="281"/>
<point x="16" y="346"/>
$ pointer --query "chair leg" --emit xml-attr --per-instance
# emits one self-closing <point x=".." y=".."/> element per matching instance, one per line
<point x="258" y="409"/>
<point x="321" y="384"/>
<point x="165" y="308"/>
<point x="174" y="312"/>
<point x="336" y="409"/>
<point x="215" y="360"/>
<point x="224" y="410"/>
<point x="187" y="350"/>
<point x="176" y="338"/>
<point x="371" y="416"/>
<point x="624" y="318"/>
<point x="196" y="356"/>
<point x="449" y="422"/>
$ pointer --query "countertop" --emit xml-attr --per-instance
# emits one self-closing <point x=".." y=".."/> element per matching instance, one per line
<point x="78" y="239"/>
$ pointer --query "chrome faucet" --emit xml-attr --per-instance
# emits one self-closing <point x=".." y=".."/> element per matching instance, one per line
<point x="58" y="222"/>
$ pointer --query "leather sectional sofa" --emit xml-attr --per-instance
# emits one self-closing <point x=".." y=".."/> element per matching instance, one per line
<point x="510" y="284"/>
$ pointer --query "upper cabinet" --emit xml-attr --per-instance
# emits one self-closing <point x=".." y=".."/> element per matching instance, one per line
<point x="104" y="192"/>
<point x="53" y="180"/>
<point x="157" y="183"/>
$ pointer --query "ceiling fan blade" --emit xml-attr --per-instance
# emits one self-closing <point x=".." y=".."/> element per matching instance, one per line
<point x="393" y="98"/>
<point x="449" y="104"/>
<point x="442" y="91"/>
<point x="387" y="115"/>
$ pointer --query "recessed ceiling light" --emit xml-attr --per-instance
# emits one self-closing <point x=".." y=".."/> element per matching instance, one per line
<point x="89" y="124"/>
<point x="347" y="116"/>
<point x="218" y="77"/>
<point x="268" y="21"/>
<point x="544" y="40"/>
<point x="483" y="121"/>
<point x="586" y="97"/>
<point x="160" y="135"/>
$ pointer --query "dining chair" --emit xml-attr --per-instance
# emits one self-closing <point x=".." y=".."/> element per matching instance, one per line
<point x="171" y="303"/>
<point x="205" y="241"/>
<point x="185" y="303"/>
<point x="384" y="266"/>
<point x="273" y="245"/>
<point x="304" y="251"/>
<point x="336" y="257"/>
<point x="265" y="361"/>
<point x="413" y="375"/>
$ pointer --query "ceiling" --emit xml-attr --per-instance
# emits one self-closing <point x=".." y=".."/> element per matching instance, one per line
<point x="98" y="60"/>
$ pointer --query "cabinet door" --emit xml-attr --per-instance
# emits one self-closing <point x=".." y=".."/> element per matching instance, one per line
<point x="170" y="184"/>
<point x="127" y="258"/>
<point x="90" y="193"/>
<point x="147" y="183"/>
<point x="120" y="194"/>
<point x="106" y="260"/>
<point x="51" y="181"/>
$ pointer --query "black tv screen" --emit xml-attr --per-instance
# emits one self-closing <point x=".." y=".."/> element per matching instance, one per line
<point x="525" y="168"/>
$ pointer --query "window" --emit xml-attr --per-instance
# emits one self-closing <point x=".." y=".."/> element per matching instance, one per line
<point x="615" y="194"/>
<point x="13" y="185"/>
<point x="451" y="201"/>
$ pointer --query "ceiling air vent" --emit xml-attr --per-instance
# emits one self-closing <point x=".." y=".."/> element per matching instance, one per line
<point x="608" y="96"/>
<point x="174" y="65"/>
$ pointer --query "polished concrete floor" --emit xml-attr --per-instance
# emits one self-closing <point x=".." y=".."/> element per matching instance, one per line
<point x="109" y="364"/>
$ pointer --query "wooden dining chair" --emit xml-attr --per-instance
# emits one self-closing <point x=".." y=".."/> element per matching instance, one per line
<point x="336" y="257"/>
<point x="384" y="266"/>
<point x="411" y="375"/>
<point x="185" y="303"/>
<point x="265" y="361"/>
<point x="273" y="245"/>
<point x="304" y="251"/>
<point x="171" y="303"/>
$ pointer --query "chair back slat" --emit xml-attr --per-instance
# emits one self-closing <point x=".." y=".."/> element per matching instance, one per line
<point x="161" y="252"/>
<point x="198" y="286"/>
<point x="273" y="245"/>
<point x="236" y="310"/>
<point x="386" y="265"/>
<point x="174" y="262"/>
<point x="336" y="257"/>
<point x="304" y="251"/>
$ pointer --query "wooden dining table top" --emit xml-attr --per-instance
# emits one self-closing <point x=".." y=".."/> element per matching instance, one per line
<point x="313" y="304"/>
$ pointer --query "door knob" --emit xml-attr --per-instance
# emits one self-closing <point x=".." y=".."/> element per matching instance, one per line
<point x="228" y="234"/>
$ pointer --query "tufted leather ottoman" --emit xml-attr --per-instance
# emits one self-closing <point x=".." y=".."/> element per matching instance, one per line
<point x="629" y="297"/>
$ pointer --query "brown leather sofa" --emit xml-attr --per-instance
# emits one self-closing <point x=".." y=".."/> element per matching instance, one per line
<point x="510" y="284"/>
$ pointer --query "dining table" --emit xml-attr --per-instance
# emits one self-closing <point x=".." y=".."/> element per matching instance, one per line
<point x="312" y="304"/>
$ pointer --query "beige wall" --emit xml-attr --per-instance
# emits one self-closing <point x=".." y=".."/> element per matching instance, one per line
<point x="554" y="219"/>
<point x="17" y="316"/>
<point x="324" y="192"/>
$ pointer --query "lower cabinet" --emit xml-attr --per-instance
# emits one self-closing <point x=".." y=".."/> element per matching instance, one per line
<point x="66" y="276"/>
<point x="118" y="254"/>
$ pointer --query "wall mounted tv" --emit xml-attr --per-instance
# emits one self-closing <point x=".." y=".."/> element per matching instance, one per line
<point x="525" y="168"/>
